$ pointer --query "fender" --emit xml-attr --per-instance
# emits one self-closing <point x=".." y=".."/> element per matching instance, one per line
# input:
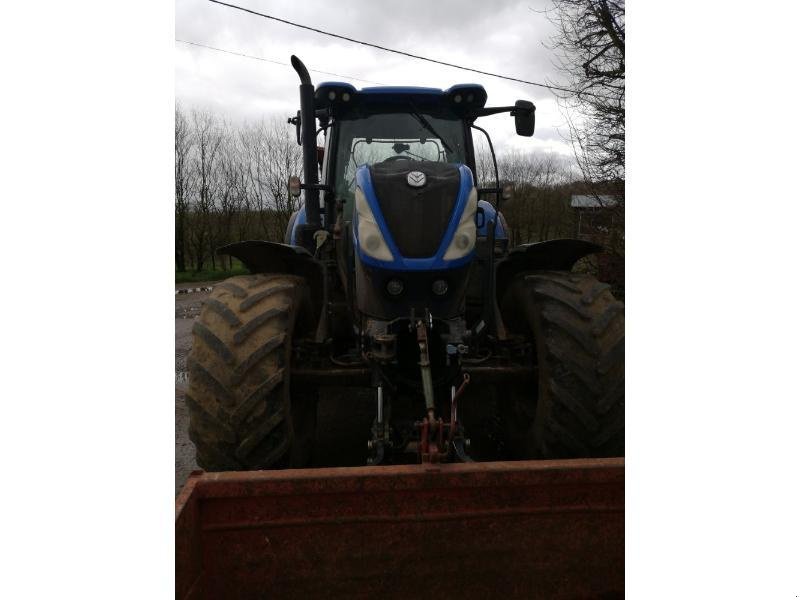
<point x="552" y="255"/>
<point x="491" y="214"/>
<point x="271" y="257"/>
<point x="288" y="237"/>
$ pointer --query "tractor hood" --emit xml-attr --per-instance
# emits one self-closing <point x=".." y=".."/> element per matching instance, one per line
<point x="415" y="215"/>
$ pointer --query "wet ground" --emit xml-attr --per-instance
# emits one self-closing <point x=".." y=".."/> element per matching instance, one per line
<point x="187" y="308"/>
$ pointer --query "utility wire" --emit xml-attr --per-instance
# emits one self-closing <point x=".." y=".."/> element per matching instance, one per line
<point x="384" y="48"/>
<point x="276" y="62"/>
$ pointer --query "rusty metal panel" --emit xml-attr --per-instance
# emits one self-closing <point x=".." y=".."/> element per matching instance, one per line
<point x="529" y="529"/>
<point x="189" y="563"/>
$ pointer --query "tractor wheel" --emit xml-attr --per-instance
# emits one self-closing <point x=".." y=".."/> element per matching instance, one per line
<point x="240" y="409"/>
<point x="578" y="329"/>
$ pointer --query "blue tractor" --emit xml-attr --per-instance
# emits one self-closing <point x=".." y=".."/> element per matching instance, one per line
<point x="396" y="275"/>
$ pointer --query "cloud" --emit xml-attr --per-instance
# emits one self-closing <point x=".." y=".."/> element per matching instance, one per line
<point x="503" y="36"/>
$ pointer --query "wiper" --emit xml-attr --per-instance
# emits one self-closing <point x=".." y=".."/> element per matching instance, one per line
<point x="426" y="124"/>
<point x="398" y="148"/>
<point x="417" y="156"/>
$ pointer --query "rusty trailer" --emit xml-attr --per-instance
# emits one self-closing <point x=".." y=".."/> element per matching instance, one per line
<point x="528" y="529"/>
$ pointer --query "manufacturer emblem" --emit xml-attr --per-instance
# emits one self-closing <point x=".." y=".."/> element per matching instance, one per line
<point x="416" y="179"/>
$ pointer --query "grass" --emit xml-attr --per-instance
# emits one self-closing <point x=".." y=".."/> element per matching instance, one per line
<point x="209" y="275"/>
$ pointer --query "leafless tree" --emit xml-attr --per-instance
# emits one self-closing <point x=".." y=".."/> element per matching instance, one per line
<point x="539" y="208"/>
<point x="236" y="178"/>
<point x="590" y="53"/>
<point x="233" y="187"/>
<point x="272" y="156"/>
<point x="284" y="159"/>
<point x="250" y="143"/>
<point x="208" y="136"/>
<point x="184" y="144"/>
<point x="230" y="184"/>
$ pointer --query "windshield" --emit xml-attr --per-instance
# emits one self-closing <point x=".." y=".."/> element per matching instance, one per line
<point x="393" y="137"/>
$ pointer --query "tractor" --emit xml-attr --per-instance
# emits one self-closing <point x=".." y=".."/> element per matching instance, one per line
<point x="396" y="275"/>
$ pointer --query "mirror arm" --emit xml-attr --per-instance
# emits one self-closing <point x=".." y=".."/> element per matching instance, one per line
<point x="489" y="190"/>
<point x="485" y="112"/>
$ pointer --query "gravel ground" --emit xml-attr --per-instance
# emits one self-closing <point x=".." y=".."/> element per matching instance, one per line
<point x="187" y="307"/>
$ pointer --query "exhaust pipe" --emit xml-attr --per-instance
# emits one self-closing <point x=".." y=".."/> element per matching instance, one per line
<point x="308" y="125"/>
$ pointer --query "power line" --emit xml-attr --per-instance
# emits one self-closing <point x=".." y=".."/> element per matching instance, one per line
<point x="384" y="48"/>
<point x="276" y="62"/>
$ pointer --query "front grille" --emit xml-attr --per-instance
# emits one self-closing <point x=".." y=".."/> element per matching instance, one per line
<point x="417" y="217"/>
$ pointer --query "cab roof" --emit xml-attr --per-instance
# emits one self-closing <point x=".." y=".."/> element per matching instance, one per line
<point x="462" y="97"/>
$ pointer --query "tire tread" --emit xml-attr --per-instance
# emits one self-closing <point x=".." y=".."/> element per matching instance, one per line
<point x="578" y="330"/>
<point x="238" y="397"/>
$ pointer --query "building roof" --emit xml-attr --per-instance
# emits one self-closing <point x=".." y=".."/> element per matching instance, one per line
<point x="592" y="201"/>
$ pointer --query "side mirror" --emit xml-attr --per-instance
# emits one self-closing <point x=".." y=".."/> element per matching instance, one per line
<point x="298" y="129"/>
<point x="294" y="186"/>
<point x="524" y="117"/>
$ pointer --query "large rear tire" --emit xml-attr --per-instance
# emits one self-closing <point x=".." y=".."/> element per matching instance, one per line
<point x="240" y="409"/>
<point x="578" y="329"/>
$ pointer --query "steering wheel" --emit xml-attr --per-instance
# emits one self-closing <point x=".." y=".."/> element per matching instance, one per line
<point x="398" y="157"/>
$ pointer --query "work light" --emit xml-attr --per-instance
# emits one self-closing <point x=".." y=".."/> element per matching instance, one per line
<point x="369" y="234"/>
<point x="464" y="238"/>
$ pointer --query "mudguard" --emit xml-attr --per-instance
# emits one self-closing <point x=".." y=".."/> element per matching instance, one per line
<point x="490" y="214"/>
<point x="271" y="257"/>
<point x="288" y="237"/>
<point x="552" y="255"/>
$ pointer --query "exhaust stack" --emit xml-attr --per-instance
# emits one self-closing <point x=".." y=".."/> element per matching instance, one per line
<point x="309" y="143"/>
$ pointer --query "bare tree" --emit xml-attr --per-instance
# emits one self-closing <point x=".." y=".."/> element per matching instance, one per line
<point x="230" y="184"/>
<point x="539" y="209"/>
<point x="184" y="144"/>
<point x="284" y="159"/>
<point x="231" y="173"/>
<point x="590" y="51"/>
<point x="237" y="178"/>
<point x="272" y="157"/>
<point x="250" y="143"/>
<point x="208" y="138"/>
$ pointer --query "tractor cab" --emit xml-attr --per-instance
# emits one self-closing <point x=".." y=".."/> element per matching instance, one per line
<point x="392" y="125"/>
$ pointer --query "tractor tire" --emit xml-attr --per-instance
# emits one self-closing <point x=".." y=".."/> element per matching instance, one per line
<point x="240" y="411"/>
<point x="578" y="330"/>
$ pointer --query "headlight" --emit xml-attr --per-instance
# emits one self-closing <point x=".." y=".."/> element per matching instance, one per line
<point x="370" y="237"/>
<point x="464" y="238"/>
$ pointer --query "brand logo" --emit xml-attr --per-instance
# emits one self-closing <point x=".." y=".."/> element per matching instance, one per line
<point x="416" y="179"/>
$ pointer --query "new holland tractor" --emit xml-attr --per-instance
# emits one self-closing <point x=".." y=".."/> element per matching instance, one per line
<point x="396" y="275"/>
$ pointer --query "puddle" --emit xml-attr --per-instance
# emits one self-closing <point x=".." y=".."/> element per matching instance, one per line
<point x="188" y="312"/>
<point x="194" y="290"/>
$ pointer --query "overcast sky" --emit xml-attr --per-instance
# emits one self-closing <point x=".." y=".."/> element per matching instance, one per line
<point x="500" y="36"/>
